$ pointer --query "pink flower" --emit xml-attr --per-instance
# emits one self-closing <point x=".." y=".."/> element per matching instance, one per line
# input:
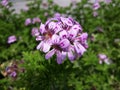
<point x="26" y="8"/>
<point x="4" y="3"/>
<point x="57" y="15"/>
<point x="62" y="37"/>
<point x="35" y="32"/>
<point x="11" y="39"/>
<point x="28" y="21"/>
<point x="103" y="58"/>
<point x="36" y="20"/>
<point x="96" y="5"/>
<point x="108" y="1"/>
<point x="95" y="13"/>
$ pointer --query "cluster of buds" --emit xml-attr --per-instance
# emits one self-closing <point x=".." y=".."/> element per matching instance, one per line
<point x="29" y="21"/>
<point x="103" y="58"/>
<point x="62" y="37"/>
<point x="13" y="68"/>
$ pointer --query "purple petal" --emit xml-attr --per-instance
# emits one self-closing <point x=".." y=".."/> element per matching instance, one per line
<point x="63" y="55"/>
<point x="57" y="15"/>
<point x="64" y="43"/>
<point x="28" y="21"/>
<point x="108" y="1"/>
<point x="40" y="45"/>
<point x="55" y="39"/>
<point x="46" y="47"/>
<point x="102" y="56"/>
<point x="58" y="27"/>
<point x="59" y="57"/>
<point x="71" y="55"/>
<point x="107" y="61"/>
<point x="95" y="13"/>
<point x="96" y="6"/>
<point x="36" y="20"/>
<point x="38" y="38"/>
<point x="4" y="2"/>
<point x="63" y="34"/>
<point x="69" y="22"/>
<point x="35" y="32"/>
<point x="13" y="74"/>
<point x="77" y="27"/>
<point x="79" y="48"/>
<point x="63" y="19"/>
<point x="100" y="61"/>
<point x="50" y="54"/>
<point x="83" y="37"/>
<point x="72" y="34"/>
<point x="11" y="39"/>
<point x="52" y="25"/>
<point x="42" y="28"/>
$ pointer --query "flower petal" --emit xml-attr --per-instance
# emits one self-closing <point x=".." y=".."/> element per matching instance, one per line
<point x="71" y="54"/>
<point x="55" y="39"/>
<point x="69" y="22"/>
<point x="63" y="34"/>
<point x="77" y="27"/>
<point x="35" y="31"/>
<point x="63" y="55"/>
<point x="42" y="28"/>
<point x="52" y="25"/>
<point x="72" y="34"/>
<point x="59" y="57"/>
<point x="40" y="45"/>
<point x="50" y="54"/>
<point x="107" y="61"/>
<point x="38" y="38"/>
<point x="46" y="47"/>
<point x="64" y="43"/>
<point x="102" y="56"/>
<point x="79" y="48"/>
<point x="63" y="20"/>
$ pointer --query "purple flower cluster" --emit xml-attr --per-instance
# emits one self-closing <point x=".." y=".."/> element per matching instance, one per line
<point x="29" y="21"/>
<point x="103" y="58"/>
<point x="11" y="39"/>
<point x="62" y="37"/>
<point x="4" y="3"/>
<point x="13" y="69"/>
<point x="96" y="6"/>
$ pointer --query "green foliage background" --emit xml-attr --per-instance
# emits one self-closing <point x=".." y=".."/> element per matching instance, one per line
<point x="85" y="73"/>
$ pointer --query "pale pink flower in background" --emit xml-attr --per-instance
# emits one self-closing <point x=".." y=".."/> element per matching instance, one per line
<point x="28" y="21"/>
<point x="11" y="39"/>
<point x="96" y="5"/>
<point x="4" y="3"/>
<point x="57" y="15"/>
<point x="26" y="8"/>
<point x="36" y="20"/>
<point x="46" y="14"/>
<point x="108" y="1"/>
<point x="104" y="58"/>
<point x="95" y="13"/>
<point x="35" y="31"/>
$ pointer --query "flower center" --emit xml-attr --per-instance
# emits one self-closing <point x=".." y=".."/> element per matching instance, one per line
<point x="48" y="35"/>
<point x="57" y="47"/>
